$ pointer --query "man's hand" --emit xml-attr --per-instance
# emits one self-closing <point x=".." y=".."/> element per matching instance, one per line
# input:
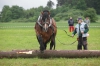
<point x="77" y="39"/>
<point x="82" y="32"/>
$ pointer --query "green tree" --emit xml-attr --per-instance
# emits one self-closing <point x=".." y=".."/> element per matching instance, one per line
<point x="81" y="5"/>
<point x="17" y="12"/>
<point x="61" y="2"/>
<point x="29" y="13"/>
<point x="0" y="16"/>
<point x="91" y="13"/>
<point x="6" y="14"/>
<point x="93" y="4"/>
<point x="50" y="4"/>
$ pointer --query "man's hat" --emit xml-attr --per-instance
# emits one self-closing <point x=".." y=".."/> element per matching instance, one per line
<point x="79" y="19"/>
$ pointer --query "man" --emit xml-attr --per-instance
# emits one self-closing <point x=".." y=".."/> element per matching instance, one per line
<point x="87" y="21"/>
<point x="71" y="24"/>
<point x="81" y="29"/>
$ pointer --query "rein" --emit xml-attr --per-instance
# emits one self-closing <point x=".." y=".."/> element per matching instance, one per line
<point x="56" y="27"/>
<point x="64" y="43"/>
<point x="69" y="36"/>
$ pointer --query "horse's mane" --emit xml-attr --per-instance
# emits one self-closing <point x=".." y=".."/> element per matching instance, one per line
<point x="45" y="15"/>
<point x="45" y="11"/>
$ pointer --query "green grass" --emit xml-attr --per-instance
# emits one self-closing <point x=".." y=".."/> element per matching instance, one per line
<point x="24" y="38"/>
<point x="51" y="62"/>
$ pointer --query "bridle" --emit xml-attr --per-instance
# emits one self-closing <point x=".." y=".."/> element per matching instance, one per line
<point x="45" y="25"/>
<point x="45" y="21"/>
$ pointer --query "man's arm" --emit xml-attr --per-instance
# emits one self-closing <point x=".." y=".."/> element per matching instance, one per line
<point x="74" y="32"/>
<point x="86" y="28"/>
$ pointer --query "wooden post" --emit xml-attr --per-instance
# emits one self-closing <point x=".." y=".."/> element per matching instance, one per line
<point x="50" y="53"/>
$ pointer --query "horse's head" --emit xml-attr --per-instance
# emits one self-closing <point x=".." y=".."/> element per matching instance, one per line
<point x="45" y="15"/>
<point x="45" y="20"/>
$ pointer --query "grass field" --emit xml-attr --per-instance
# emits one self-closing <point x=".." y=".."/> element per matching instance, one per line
<point x="14" y="36"/>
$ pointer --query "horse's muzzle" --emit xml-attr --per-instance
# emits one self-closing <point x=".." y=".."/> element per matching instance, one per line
<point x="45" y="27"/>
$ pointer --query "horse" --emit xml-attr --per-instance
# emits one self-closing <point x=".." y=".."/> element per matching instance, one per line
<point x="46" y="30"/>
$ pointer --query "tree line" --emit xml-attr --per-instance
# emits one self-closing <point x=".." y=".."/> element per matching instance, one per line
<point x="64" y="9"/>
<point x="81" y="4"/>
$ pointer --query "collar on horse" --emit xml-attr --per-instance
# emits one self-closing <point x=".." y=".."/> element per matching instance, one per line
<point x="40" y="18"/>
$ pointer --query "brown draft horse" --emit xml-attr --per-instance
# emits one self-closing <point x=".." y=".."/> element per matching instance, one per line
<point x="46" y="30"/>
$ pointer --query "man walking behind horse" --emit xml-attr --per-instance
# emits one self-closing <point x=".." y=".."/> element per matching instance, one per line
<point x="87" y="21"/>
<point x="81" y="29"/>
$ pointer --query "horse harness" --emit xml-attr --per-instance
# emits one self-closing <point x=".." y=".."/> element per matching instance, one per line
<point x="50" y="24"/>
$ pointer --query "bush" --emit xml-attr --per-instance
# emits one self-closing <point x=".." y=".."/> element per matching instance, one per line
<point x="35" y="18"/>
<point x="24" y="20"/>
<point x="91" y="13"/>
<point x="75" y="13"/>
<point x="57" y="19"/>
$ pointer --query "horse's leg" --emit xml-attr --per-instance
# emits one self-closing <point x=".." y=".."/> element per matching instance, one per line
<point x="52" y="42"/>
<point x="40" y="40"/>
<point x="45" y="45"/>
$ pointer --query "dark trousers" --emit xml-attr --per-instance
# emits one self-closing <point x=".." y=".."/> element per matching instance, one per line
<point x="82" y="41"/>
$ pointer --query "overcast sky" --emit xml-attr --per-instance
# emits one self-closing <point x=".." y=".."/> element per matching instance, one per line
<point x="26" y="4"/>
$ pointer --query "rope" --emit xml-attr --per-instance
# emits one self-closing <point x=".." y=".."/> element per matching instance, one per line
<point x="69" y="36"/>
